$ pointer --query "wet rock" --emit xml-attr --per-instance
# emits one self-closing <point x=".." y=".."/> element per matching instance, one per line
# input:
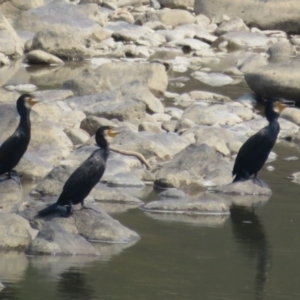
<point x="278" y="79"/>
<point x="264" y="15"/>
<point x="129" y="140"/>
<point x="244" y="40"/>
<point x="246" y="187"/>
<point x="175" y="17"/>
<point x="195" y="166"/>
<point x="173" y="193"/>
<point x="235" y="24"/>
<point x="96" y="225"/>
<point x="291" y="114"/>
<point x="10" y="195"/>
<point x="113" y="75"/>
<point x="42" y="57"/>
<point x="189" y="207"/>
<point x="212" y="79"/>
<point x="10" y="43"/>
<point x="15" y="232"/>
<point x="125" y="180"/>
<point x="53" y="239"/>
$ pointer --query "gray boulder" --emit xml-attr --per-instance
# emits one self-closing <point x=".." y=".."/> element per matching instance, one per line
<point x="235" y="24"/>
<point x="275" y="14"/>
<point x="91" y="123"/>
<point x="111" y="76"/>
<point x="53" y="239"/>
<point x="236" y="40"/>
<point x="125" y="180"/>
<point x="173" y="193"/>
<point x="278" y="79"/>
<point x="15" y="232"/>
<point x="10" y="195"/>
<point x="195" y="166"/>
<point x="10" y="43"/>
<point x="73" y="32"/>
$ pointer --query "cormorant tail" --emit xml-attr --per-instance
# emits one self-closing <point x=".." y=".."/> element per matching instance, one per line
<point x="48" y="210"/>
<point x="237" y="178"/>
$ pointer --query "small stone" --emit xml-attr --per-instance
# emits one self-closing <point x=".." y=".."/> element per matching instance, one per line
<point x="270" y="168"/>
<point x="291" y="158"/>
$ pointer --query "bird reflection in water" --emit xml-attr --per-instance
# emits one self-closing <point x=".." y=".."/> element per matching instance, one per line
<point x="74" y="285"/>
<point x="249" y="232"/>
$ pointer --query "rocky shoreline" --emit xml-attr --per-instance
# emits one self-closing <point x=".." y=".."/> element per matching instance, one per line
<point x="135" y="56"/>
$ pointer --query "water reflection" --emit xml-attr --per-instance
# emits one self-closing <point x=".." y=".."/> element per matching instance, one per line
<point x="249" y="233"/>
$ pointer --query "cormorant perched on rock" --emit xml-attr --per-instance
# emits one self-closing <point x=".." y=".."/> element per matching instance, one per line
<point x="85" y="177"/>
<point x="255" y="151"/>
<point x="12" y="150"/>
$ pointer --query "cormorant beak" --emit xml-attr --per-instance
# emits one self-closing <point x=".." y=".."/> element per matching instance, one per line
<point x="281" y="104"/>
<point x="32" y="101"/>
<point x="112" y="132"/>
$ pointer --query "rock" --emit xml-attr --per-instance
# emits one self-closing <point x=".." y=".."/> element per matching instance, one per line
<point x="251" y="62"/>
<point x="132" y="111"/>
<point x="235" y="24"/>
<point x="246" y="187"/>
<point x="155" y="4"/>
<point x="77" y="136"/>
<point x="61" y="36"/>
<point x="27" y="88"/>
<point x="281" y="50"/>
<point x="189" y="207"/>
<point x="10" y="43"/>
<point x="114" y="75"/>
<point x="104" y="194"/>
<point x="42" y="57"/>
<point x="4" y="60"/>
<point x="122" y="15"/>
<point x="54" y="181"/>
<point x="291" y="114"/>
<point x="208" y="97"/>
<point x="264" y="15"/>
<point x="32" y="167"/>
<point x="173" y="193"/>
<point x="10" y="195"/>
<point x="294" y="176"/>
<point x="175" y="17"/>
<point x="189" y="44"/>
<point x="125" y="180"/>
<point x="53" y="239"/>
<point x="131" y="141"/>
<point x="243" y="40"/>
<point x="12" y="9"/>
<point x="96" y="225"/>
<point x="275" y="80"/>
<point x="195" y="166"/>
<point x="179" y="4"/>
<point x="1" y="286"/>
<point x="150" y="127"/>
<point x="15" y="232"/>
<point x="123" y="31"/>
<point x="212" y="79"/>
<point x="52" y="95"/>
<point x="91" y="123"/>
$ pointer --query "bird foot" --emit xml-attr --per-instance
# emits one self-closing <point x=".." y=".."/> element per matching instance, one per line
<point x="259" y="182"/>
<point x="15" y="176"/>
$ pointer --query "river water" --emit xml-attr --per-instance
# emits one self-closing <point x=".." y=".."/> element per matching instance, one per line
<point x="251" y="254"/>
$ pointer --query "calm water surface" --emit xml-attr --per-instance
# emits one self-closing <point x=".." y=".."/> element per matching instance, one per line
<point x="252" y="254"/>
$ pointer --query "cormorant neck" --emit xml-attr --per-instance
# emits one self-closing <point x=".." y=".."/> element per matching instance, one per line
<point x="271" y="115"/>
<point x="25" y="120"/>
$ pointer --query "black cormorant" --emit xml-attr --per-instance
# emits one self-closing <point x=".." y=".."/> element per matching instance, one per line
<point x="85" y="177"/>
<point x="12" y="150"/>
<point x="255" y="151"/>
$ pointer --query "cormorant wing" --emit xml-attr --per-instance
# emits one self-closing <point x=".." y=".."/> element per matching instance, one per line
<point x="9" y="146"/>
<point x="253" y="148"/>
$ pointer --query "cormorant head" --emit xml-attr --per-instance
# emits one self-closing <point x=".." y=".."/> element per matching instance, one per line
<point x="102" y="132"/>
<point x="25" y="102"/>
<point x="280" y="104"/>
